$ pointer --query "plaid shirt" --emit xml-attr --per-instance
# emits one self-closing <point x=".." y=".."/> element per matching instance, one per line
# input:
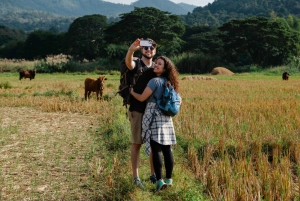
<point x="157" y="127"/>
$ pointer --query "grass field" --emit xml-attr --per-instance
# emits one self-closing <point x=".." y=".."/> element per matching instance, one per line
<point x="238" y="139"/>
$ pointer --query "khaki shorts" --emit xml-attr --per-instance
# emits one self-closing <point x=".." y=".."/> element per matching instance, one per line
<point x="135" y="119"/>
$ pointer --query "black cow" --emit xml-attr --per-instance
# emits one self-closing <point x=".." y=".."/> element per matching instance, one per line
<point x="285" y="76"/>
<point x="27" y="74"/>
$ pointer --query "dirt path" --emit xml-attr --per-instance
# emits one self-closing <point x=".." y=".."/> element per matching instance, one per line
<point x="29" y="120"/>
<point x="45" y="156"/>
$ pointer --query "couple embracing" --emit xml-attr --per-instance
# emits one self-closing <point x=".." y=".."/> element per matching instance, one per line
<point x="148" y="124"/>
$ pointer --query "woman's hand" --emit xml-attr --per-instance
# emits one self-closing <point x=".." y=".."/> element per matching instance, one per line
<point x="131" y="89"/>
<point x="141" y="97"/>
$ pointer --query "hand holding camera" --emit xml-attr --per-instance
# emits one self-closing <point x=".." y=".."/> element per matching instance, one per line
<point x="146" y="43"/>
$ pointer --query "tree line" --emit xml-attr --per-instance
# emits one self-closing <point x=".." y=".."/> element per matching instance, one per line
<point x="256" y="41"/>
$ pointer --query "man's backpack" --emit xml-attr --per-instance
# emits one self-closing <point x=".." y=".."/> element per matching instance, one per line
<point x="127" y="79"/>
<point x="169" y="104"/>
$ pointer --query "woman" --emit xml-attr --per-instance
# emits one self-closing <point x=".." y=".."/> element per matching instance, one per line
<point x="158" y="129"/>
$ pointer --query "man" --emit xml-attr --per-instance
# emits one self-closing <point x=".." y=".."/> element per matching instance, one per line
<point x="137" y="108"/>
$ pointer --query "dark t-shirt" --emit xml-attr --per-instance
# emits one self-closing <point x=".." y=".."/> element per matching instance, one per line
<point x="139" y="87"/>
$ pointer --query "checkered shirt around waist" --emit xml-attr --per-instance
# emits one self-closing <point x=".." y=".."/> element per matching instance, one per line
<point x="157" y="127"/>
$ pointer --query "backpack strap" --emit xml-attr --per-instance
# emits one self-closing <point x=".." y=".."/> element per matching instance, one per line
<point x="140" y="70"/>
<point x="165" y="84"/>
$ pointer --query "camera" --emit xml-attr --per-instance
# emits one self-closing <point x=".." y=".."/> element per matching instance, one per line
<point x="146" y="43"/>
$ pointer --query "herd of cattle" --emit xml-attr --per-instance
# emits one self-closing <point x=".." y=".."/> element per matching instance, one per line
<point x="96" y="85"/>
<point x="90" y="84"/>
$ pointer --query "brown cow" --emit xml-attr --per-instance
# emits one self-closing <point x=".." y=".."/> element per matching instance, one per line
<point x="94" y="85"/>
<point x="27" y="74"/>
<point x="285" y="76"/>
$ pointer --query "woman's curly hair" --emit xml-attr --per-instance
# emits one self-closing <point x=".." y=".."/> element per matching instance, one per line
<point x="171" y="72"/>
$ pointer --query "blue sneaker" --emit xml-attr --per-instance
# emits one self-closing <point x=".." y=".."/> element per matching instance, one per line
<point x="138" y="183"/>
<point x="169" y="182"/>
<point x="153" y="179"/>
<point x="160" y="185"/>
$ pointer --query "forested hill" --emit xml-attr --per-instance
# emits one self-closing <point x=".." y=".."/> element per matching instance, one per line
<point x="29" y="15"/>
<point x="79" y="8"/>
<point x="164" y="5"/>
<point x="221" y="11"/>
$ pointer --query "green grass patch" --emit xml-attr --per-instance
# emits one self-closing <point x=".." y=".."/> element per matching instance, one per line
<point x="6" y="85"/>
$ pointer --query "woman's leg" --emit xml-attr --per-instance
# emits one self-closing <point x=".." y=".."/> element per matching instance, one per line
<point x="169" y="160"/>
<point x="157" y="162"/>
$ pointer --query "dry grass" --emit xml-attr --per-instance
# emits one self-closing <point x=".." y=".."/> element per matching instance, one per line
<point x="221" y="71"/>
<point x="43" y="154"/>
<point x="238" y="139"/>
<point x="15" y="65"/>
<point x="49" y="148"/>
<point x="243" y="138"/>
<point x="198" y="78"/>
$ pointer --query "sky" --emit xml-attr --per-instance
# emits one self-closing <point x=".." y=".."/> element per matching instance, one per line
<point x="192" y="2"/>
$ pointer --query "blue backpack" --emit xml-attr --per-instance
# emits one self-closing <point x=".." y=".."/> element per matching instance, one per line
<point x="169" y="104"/>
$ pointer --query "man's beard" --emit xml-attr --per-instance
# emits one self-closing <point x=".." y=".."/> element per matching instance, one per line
<point x="147" y="57"/>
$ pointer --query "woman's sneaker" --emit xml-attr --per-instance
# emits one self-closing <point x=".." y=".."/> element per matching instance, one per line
<point x="160" y="185"/>
<point x="138" y="183"/>
<point x="169" y="182"/>
<point x="153" y="178"/>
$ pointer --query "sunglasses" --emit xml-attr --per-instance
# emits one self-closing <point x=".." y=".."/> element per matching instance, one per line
<point x="146" y="48"/>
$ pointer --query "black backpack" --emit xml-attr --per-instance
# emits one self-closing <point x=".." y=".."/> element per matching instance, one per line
<point x="128" y="79"/>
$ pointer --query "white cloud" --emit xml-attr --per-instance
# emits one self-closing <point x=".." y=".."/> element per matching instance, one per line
<point x="193" y="2"/>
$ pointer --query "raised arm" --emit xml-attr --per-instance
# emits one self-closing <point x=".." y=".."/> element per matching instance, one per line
<point x="142" y="97"/>
<point x="129" y="56"/>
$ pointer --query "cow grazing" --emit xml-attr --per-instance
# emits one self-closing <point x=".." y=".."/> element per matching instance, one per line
<point x="285" y="76"/>
<point x="27" y="74"/>
<point x="94" y="85"/>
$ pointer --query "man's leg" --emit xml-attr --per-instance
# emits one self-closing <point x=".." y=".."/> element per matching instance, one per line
<point x="151" y="163"/>
<point x="135" y="159"/>
<point x="136" y="138"/>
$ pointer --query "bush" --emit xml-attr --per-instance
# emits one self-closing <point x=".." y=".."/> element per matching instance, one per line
<point x="54" y="65"/>
<point x="195" y="63"/>
<point x="294" y="65"/>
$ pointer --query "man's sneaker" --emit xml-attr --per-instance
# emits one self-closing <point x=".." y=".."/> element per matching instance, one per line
<point x="169" y="182"/>
<point x="138" y="183"/>
<point x="153" y="178"/>
<point x="160" y="185"/>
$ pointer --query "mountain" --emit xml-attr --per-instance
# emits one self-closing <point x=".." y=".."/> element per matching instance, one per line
<point x="7" y="35"/>
<point x="164" y="5"/>
<point x="59" y="14"/>
<point x="74" y="8"/>
<point x="79" y="8"/>
<point x="221" y="11"/>
<point x="29" y="15"/>
<point x="187" y="7"/>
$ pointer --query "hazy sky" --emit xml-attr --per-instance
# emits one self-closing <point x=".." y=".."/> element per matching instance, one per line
<point x="193" y="2"/>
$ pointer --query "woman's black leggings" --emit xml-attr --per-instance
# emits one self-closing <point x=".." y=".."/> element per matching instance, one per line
<point x="157" y="161"/>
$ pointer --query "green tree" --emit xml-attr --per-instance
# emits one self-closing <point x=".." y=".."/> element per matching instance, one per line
<point x="202" y="39"/>
<point x="259" y="41"/>
<point x="293" y="22"/>
<point x="13" y="50"/>
<point x="85" y="37"/>
<point x="148" y="22"/>
<point x="7" y="35"/>
<point x="40" y="43"/>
